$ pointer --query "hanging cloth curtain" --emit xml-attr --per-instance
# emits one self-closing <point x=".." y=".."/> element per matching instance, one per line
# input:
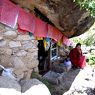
<point x="66" y="41"/>
<point x="26" y="21"/>
<point x="47" y="43"/>
<point x="59" y="43"/>
<point x="54" y="33"/>
<point x="21" y="30"/>
<point x="39" y="38"/>
<point x="41" y="28"/>
<point x="1" y="6"/>
<point x="9" y="13"/>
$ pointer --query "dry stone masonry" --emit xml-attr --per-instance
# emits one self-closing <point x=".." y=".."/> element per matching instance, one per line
<point x="18" y="51"/>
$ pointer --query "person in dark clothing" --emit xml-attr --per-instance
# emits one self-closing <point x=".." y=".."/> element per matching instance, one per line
<point x="42" y="54"/>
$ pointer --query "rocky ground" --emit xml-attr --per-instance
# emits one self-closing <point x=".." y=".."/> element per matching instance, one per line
<point x="84" y="83"/>
<point x="9" y="86"/>
<point x="77" y="82"/>
<point x="73" y="82"/>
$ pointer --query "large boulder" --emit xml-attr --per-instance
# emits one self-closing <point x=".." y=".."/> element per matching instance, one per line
<point x="9" y="86"/>
<point x="63" y="14"/>
<point x="84" y="83"/>
<point x="34" y="87"/>
<point x="54" y="77"/>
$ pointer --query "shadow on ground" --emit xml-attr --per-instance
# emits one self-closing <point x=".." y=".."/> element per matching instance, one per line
<point x="66" y="83"/>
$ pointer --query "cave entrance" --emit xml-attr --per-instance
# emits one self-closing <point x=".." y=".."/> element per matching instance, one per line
<point x="43" y="58"/>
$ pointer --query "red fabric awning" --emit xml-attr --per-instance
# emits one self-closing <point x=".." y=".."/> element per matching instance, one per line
<point x="21" y="30"/>
<point x="66" y="41"/>
<point x="54" y="33"/>
<point x="26" y="21"/>
<point x="9" y="13"/>
<point x="41" y="28"/>
<point x="1" y="5"/>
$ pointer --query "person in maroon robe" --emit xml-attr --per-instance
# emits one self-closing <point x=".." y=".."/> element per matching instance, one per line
<point x="76" y="57"/>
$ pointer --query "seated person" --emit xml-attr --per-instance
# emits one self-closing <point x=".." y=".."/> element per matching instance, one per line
<point x="67" y="64"/>
<point x="76" y="57"/>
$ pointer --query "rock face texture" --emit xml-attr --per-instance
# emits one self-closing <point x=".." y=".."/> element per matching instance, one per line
<point x="9" y="86"/>
<point x="27" y="87"/>
<point x="84" y="83"/>
<point x="63" y="14"/>
<point x="18" y="51"/>
<point x="35" y="87"/>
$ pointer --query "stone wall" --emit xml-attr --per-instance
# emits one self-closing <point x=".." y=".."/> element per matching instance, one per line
<point x="18" y="51"/>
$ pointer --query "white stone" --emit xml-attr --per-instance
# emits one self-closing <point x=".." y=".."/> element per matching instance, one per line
<point x="9" y="86"/>
<point x="1" y="38"/>
<point x="24" y="42"/>
<point x="32" y="55"/>
<point x="20" y="72"/>
<point x="3" y="43"/>
<point x="2" y="51"/>
<point x="18" y="63"/>
<point x="32" y="64"/>
<point x="15" y="50"/>
<point x="19" y="75"/>
<point x="35" y="70"/>
<point x="8" y="51"/>
<point x="14" y="44"/>
<point x="21" y="53"/>
<point x="27" y="75"/>
<point x="52" y="77"/>
<point x="35" y="87"/>
<point x="10" y="34"/>
<point x="8" y="28"/>
<point x="32" y="50"/>
<point x="24" y="37"/>
<point x="5" y="60"/>
<point x="2" y="26"/>
<point x="27" y="46"/>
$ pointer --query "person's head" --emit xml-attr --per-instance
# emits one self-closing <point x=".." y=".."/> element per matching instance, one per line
<point x="78" y="45"/>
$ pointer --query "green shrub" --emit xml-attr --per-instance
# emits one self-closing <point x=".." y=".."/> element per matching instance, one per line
<point x="91" y="59"/>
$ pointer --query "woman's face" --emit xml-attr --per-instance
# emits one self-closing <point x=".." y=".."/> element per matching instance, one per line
<point x="79" y="47"/>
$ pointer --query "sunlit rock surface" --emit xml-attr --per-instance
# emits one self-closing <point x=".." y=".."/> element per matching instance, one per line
<point x="10" y="86"/>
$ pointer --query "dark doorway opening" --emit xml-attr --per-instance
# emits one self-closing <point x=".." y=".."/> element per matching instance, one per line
<point x="43" y="57"/>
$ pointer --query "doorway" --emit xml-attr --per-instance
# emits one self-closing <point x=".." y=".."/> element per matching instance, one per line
<point x="43" y="58"/>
